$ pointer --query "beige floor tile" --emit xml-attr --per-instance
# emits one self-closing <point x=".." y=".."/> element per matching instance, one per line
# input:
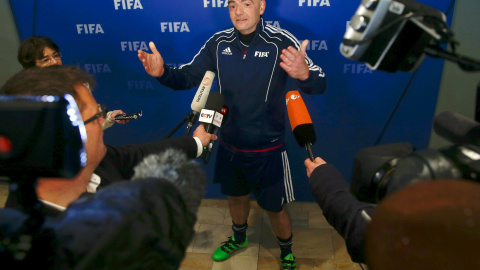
<point x="310" y="206"/>
<point x="268" y="263"/>
<point x="318" y="221"/>
<point x="3" y="190"/>
<point x="237" y="262"/>
<point x="299" y="219"/>
<point x="214" y="203"/>
<point x="339" y="247"/>
<point x="190" y="246"/>
<point x="211" y="215"/>
<point x="196" y="261"/>
<point x="294" y="206"/>
<point x="305" y="263"/>
<point x="3" y="199"/>
<point x="313" y="243"/>
<point x="268" y="242"/>
<point x="336" y="265"/>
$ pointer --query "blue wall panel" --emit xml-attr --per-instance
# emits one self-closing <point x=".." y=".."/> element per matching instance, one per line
<point x="361" y="107"/>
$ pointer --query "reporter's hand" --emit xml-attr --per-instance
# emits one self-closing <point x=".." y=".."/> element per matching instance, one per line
<point x="115" y="113"/>
<point x="311" y="165"/>
<point x="152" y="62"/>
<point x="204" y="137"/>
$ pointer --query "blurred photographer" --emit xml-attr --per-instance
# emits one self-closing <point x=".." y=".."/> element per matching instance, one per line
<point x="142" y="224"/>
<point x="426" y="225"/>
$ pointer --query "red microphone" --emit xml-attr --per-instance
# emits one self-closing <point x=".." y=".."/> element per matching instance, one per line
<point x="300" y="121"/>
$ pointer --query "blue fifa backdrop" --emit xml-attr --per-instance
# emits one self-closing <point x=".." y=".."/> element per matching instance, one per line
<point x="361" y="107"/>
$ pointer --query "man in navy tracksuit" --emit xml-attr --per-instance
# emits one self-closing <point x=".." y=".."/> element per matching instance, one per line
<point x="252" y="62"/>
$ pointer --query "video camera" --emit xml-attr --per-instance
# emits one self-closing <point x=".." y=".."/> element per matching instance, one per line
<point x="382" y="170"/>
<point x="40" y="136"/>
<point x="393" y="35"/>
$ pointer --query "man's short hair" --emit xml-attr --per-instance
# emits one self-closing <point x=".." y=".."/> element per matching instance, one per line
<point x="53" y="80"/>
<point x="31" y="50"/>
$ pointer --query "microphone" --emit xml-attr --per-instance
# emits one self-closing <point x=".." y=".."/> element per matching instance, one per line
<point x="200" y="98"/>
<point x="457" y="128"/>
<point x="174" y="166"/>
<point x="211" y="116"/>
<point x="300" y="121"/>
<point x="224" y="112"/>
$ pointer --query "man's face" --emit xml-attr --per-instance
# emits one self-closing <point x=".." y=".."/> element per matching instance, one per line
<point x="95" y="148"/>
<point x="245" y="14"/>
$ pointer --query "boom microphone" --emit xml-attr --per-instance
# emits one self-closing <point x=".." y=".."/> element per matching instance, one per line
<point x="198" y="102"/>
<point x="300" y="121"/>
<point x="456" y="128"/>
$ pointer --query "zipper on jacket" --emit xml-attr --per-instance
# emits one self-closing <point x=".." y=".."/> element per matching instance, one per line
<point x="244" y="54"/>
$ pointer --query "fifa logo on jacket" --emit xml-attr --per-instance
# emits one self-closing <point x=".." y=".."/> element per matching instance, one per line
<point x="261" y="54"/>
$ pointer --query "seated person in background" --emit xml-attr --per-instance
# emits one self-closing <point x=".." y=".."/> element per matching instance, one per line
<point x="38" y="51"/>
<point x="119" y="162"/>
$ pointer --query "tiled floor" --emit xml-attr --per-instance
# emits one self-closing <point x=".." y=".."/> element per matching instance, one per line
<point x="315" y="244"/>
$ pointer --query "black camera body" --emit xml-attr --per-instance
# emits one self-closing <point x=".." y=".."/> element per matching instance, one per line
<point x="381" y="170"/>
<point x="41" y="136"/>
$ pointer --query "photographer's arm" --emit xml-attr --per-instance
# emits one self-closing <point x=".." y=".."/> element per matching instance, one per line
<point x="341" y="209"/>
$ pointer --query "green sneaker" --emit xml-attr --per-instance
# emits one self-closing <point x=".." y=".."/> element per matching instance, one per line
<point x="227" y="249"/>
<point x="288" y="263"/>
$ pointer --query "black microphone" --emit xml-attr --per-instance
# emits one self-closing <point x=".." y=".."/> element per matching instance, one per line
<point x="198" y="102"/>
<point x="211" y="116"/>
<point x="206" y="155"/>
<point x="457" y="128"/>
<point x="300" y="121"/>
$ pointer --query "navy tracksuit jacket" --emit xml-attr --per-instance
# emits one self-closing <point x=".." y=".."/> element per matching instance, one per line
<point x="252" y="82"/>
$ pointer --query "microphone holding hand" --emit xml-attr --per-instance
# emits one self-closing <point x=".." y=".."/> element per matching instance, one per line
<point x="300" y="121"/>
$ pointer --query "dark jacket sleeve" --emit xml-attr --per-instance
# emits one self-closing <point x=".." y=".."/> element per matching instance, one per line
<point x="190" y="75"/>
<point x="341" y="209"/>
<point x="315" y="84"/>
<point x="125" y="158"/>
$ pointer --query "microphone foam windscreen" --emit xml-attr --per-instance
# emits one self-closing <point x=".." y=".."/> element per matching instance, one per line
<point x="300" y="120"/>
<point x="172" y="165"/>
<point x="201" y="96"/>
